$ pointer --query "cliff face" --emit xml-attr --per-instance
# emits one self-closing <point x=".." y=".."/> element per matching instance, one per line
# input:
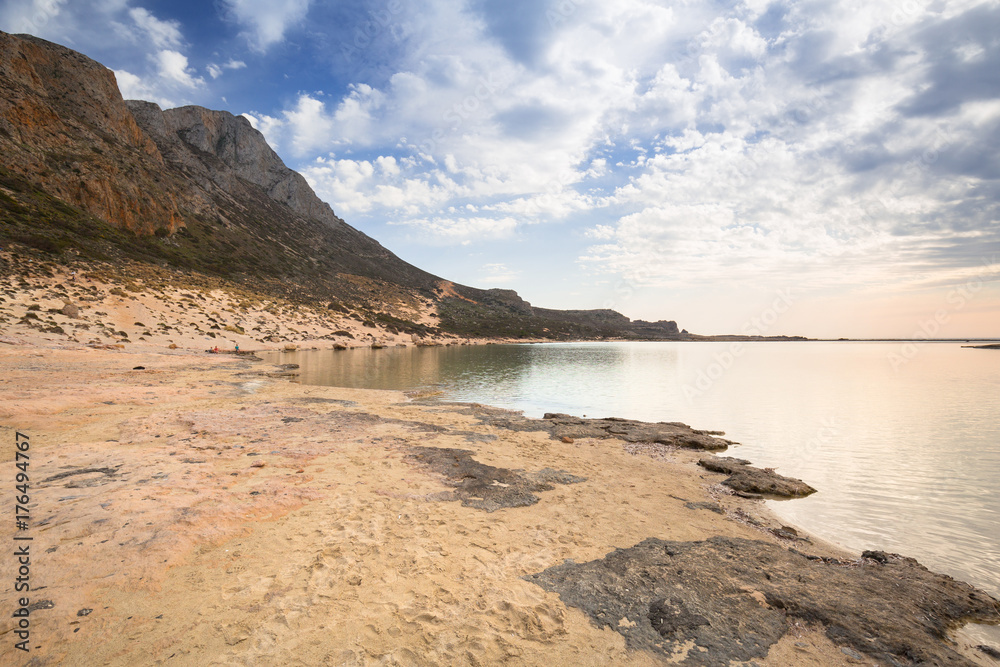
<point x="63" y="125"/>
<point x="224" y="162"/>
<point x="194" y="137"/>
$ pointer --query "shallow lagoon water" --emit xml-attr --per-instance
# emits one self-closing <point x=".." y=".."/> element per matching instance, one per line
<point x="903" y="443"/>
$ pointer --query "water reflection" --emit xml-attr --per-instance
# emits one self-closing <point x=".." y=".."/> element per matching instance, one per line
<point x="905" y="459"/>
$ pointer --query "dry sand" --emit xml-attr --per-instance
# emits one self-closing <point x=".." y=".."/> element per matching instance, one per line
<point x="136" y="304"/>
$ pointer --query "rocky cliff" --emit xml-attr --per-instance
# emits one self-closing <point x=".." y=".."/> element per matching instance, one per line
<point x="89" y="175"/>
<point x="195" y="137"/>
<point x="65" y="127"/>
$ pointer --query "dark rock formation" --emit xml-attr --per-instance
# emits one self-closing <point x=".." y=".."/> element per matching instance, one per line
<point x="734" y="598"/>
<point x="630" y="430"/>
<point x="661" y="329"/>
<point x="487" y="487"/>
<point x="704" y="505"/>
<point x="989" y="650"/>
<point x="747" y="480"/>
<point x="566" y="426"/>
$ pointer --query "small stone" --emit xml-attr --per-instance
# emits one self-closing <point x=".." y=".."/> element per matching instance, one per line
<point x="989" y="650"/>
<point x="851" y="653"/>
<point x="877" y="556"/>
<point x="711" y="507"/>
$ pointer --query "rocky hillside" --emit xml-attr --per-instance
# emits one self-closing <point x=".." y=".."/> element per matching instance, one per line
<point x="87" y="175"/>
<point x="65" y="128"/>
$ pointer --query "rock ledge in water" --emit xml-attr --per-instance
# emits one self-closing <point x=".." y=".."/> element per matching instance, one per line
<point x="747" y="480"/>
<point x="561" y="426"/>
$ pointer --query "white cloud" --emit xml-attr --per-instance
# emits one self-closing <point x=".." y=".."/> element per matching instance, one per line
<point x="497" y="274"/>
<point x="215" y="71"/>
<point x="343" y="183"/>
<point x="271" y="127"/>
<point x="387" y="165"/>
<point x="459" y="230"/>
<point x="173" y="66"/>
<point x="358" y="186"/>
<point x="266" y="21"/>
<point x="310" y="126"/>
<point x="134" y="87"/>
<point x="34" y="17"/>
<point x="161" y="34"/>
<point x="169" y="84"/>
<point x="602" y="232"/>
<point x="734" y="37"/>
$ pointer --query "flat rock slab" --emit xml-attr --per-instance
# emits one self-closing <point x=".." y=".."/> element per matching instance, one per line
<point x="484" y="486"/>
<point x="567" y="426"/>
<point x="729" y="600"/>
<point x="745" y="479"/>
<point x="711" y="507"/>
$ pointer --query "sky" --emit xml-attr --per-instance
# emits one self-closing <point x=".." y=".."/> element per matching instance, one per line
<point x="827" y="169"/>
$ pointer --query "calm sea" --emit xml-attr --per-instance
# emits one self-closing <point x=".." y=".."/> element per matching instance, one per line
<point x="902" y="440"/>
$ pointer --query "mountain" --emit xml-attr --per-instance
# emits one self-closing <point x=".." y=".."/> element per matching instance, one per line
<point x="90" y="176"/>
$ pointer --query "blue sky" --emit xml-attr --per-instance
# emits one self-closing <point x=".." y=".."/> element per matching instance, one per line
<point x="690" y="160"/>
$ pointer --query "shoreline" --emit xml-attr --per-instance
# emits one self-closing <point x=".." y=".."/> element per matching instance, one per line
<point x="100" y="304"/>
<point x="301" y="506"/>
<point x="180" y="459"/>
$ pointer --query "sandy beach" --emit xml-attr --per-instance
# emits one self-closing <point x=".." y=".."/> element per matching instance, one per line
<point x="230" y="517"/>
<point x="205" y="509"/>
